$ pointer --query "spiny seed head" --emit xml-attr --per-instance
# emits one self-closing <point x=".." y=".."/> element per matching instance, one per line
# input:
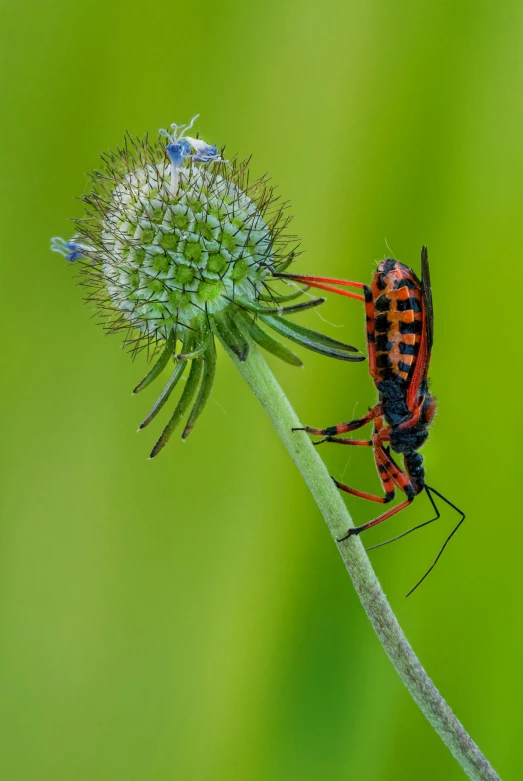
<point x="177" y="247"/>
<point x="173" y="231"/>
<point x="183" y="255"/>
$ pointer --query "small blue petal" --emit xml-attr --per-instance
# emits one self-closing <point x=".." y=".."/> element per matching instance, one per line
<point x="69" y="249"/>
<point x="177" y="152"/>
<point x="202" y="152"/>
<point x="206" y="153"/>
<point x="75" y="253"/>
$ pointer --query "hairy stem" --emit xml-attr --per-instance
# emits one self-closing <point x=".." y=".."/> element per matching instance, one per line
<point x="263" y="383"/>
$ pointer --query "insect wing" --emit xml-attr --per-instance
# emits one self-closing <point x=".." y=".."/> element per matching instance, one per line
<point x="426" y="290"/>
<point x="427" y="336"/>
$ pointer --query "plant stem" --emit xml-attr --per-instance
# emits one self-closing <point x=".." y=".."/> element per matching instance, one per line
<point x="264" y="385"/>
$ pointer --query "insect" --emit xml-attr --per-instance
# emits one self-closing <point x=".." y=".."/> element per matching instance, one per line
<point x="400" y="332"/>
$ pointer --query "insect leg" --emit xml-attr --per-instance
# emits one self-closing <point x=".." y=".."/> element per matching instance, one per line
<point x="414" y="528"/>
<point x="364" y="495"/>
<point x="385" y="478"/>
<point x="390" y="474"/>
<point x="326" y="283"/>
<point x="342" y="428"/>
<point x="360" y="442"/>
<point x="332" y="280"/>
<point x="453" y="532"/>
<point x="400" y="478"/>
<point x="369" y="324"/>
<point x="376" y="521"/>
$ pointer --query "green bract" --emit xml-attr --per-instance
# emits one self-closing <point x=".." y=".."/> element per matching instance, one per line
<point x="177" y="247"/>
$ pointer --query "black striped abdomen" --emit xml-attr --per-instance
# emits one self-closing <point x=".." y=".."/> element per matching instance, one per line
<point x="397" y="320"/>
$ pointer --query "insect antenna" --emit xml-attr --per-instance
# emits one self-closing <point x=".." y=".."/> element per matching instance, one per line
<point x="430" y="490"/>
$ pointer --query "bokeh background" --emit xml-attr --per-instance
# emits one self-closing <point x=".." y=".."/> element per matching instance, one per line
<point x="189" y="617"/>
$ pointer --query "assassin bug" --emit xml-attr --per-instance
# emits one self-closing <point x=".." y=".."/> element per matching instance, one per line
<point x="400" y="332"/>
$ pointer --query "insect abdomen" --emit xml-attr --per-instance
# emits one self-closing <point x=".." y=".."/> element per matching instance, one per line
<point x="397" y="299"/>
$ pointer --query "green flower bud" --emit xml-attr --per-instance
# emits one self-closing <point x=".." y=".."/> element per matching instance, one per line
<point x="178" y="246"/>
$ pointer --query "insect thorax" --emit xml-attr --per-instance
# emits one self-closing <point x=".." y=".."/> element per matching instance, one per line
<point x="393" y="398"/>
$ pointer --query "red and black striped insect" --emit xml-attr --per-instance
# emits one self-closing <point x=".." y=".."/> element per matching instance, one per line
<point x="400" y="333"/>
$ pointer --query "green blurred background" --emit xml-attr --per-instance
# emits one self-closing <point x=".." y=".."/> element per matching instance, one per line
<point x="189" y="617"/>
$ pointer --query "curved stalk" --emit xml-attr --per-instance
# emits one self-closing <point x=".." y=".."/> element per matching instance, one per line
<point x="262" y="382"/>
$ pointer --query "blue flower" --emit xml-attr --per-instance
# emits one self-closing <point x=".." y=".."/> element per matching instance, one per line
<point x="180" y="147"/>
<point x="178" y="151"/>
<point x="71" y="250"/>
<point x="204" y="153"/>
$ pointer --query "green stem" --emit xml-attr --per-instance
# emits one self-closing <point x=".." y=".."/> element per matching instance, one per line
<point x="263" y="383"/>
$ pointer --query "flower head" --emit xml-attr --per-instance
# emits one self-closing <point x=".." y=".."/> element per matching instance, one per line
<point x="177" y="246"/>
